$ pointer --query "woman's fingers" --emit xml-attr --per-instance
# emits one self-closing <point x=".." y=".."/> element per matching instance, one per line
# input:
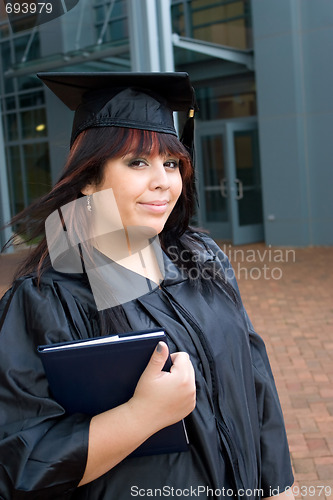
<point x="167" y="397"/>
<point x="157" y="360"/>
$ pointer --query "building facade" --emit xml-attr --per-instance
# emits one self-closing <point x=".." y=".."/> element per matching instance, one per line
<point x="262" y="74"/>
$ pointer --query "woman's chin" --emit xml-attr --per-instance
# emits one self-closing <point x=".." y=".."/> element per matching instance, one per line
<point x="141" y="231"/>
<point x="150" y="226"/>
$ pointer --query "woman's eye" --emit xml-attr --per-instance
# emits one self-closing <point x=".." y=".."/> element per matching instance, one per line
<point x="172" y="164"/>
<point x="137" y="163"/>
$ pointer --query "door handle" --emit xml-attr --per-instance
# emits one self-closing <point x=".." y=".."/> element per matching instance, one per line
<point x="240" y="193"/>
<point x="223" y="187"/>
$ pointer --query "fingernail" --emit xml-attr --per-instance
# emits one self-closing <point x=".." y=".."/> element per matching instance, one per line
<point x="159" y="347"/>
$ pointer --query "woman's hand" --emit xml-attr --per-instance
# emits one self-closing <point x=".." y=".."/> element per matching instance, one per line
<point x="165" y="397"/>
<point x="160" y="399"/>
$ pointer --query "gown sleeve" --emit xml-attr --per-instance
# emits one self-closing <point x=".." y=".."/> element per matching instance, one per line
<point x="42" y="451"/>
<point x="276" y="470"/>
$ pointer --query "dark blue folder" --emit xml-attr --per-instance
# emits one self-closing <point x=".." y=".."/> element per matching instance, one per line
<point x="94" y="375"/>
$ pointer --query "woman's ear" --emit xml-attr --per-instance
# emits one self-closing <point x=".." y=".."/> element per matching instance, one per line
<point x="88" y="189"/>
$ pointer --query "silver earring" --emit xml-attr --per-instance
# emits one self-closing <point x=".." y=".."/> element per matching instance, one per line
<point x="89" y="208"/>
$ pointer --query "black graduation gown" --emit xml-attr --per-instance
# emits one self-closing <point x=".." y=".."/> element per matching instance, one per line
<point x="237" y="434"/>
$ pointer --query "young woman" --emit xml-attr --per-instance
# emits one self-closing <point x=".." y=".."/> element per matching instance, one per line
<point x="125" y="152"/>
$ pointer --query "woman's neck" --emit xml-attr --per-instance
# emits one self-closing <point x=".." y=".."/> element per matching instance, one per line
<point x="137" y="255"/>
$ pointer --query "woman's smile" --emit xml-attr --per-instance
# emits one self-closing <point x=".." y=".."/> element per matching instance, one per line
<point x="158" y="207"/>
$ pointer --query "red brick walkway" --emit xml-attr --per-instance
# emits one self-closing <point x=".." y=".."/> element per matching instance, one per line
<point x="288" y="294"/>
<point x="290" y="303"/>
<point x="8" y="264"/>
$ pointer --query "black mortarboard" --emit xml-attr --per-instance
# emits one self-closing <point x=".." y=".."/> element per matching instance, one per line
<point x="143" y="101"/>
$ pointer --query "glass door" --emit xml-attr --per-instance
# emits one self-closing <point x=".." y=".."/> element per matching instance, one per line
<point x="230" y="181"/>
<point x="212" y="186"/>
<point x="244" y="182"/>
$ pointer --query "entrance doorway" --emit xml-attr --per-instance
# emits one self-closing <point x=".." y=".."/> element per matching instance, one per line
<point x="230" y="200"/>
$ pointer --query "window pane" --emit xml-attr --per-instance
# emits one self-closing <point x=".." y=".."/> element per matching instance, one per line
<point x="28" y="82"/>
<point x="99" y="14"/>
<point x="15" y="179"/>
<point x="178" y="20"/>
<point x="6" y="64"/>
<point x="235" y="98"/>
<point x="119" y="8"/>
<point x="12" y="127"/>
<point x="4" y="31"/>
<point x="33" y="99"/>
<point x="33" y="123"/>
<point x="248" y="173"/>
<point x="118" y="30"/>
<point x="10" y="103"/>
<point x="20" y="45"/>
<point x="214" y="174"/>
<point x="37" y="164"/>
<point x="222" y="22"/>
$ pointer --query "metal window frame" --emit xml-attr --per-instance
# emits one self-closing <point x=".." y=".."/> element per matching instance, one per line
<point x="238" y="56"/>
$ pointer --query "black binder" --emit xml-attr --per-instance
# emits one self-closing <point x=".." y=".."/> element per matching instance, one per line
<point x="94" y="375"/>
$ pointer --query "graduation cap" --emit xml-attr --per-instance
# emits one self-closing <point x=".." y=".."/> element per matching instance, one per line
<point x="144" y="101"/>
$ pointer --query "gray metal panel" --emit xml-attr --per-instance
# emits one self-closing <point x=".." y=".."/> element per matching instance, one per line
<point x="317" y="48"/>
<point x="320" y="128"/>
<point x="317" y="42"/>
<point x="316" y="15"/>
<point x="284" y="194"/>
<point x="293" y="47"/>
<point x="282" y="129"/>
<point x="275" y="75"/>
<point x="271" y="17"/>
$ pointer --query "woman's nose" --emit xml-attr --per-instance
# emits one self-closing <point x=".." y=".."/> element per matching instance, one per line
<point x="159" y="177"/>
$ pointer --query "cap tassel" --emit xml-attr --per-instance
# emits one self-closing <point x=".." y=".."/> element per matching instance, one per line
<point x="187" y="137"/>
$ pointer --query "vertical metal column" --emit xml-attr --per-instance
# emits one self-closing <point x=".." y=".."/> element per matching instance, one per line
<point x="142" y="19"/>
<point x="4" y="196"/>
<point x="164" y="23"/>
<point x="150" y="35"/>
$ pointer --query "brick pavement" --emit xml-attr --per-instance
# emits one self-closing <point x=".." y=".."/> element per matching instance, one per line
<point x="8" y="264"/>
<point x="288" y="295"/>
<point x="290" y="303"/>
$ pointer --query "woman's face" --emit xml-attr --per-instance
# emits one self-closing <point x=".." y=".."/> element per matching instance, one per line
<point x="145" y="188"/>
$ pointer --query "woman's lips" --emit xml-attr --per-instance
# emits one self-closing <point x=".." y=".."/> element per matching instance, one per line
<point x="157" y="207"/>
